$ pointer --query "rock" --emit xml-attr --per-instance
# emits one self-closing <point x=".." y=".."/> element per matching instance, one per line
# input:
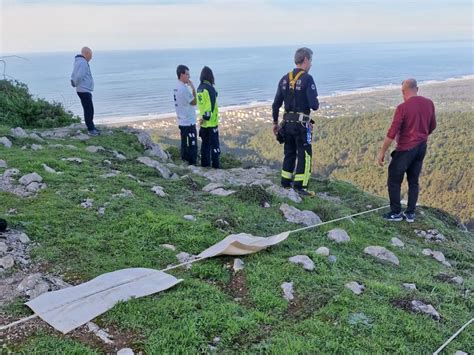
<point x="6" y="142"/>
<point x="189" y="217"/>
<point x="36" y="137"/>
<point x="287" y="288"/>
<point x="409" y="286"/>
<point x="266" y="205"/>
<point x="40" y="288"/>
<point x="338" y="235"/>
<point x="419" y="306"/>
<point x="125" y="194"/>
<point x="73" y="160"/>
<point x="7" y="262"/>
<point x="88" y="203"/>
<point x="113" y="173"/>
<point x="459" y="352"/>
<point x="284" y="193"/>
<point x="151" y="148"/>
<point x="294" y="215"/>
<point x="327" y="197"/>
<point x="101" y="211"/>
<point x="397" y="242"/>
<point x="10" y="172"/>
<point x="457" y="280"/>
<point x="355" y="287"/>
<point x="322" y="251"/>
<point x="3" y="248"/>
<point x="29" y="178"/>
<point x="222" y="192"/>
<point x="184" y="257"/>
<point x="212" y="186"/>
<point x="125" y="351"/>
<point x="35" y="186"/>
<point x="332" y="259"/>
<point x="81" y="137"/>
<point x="49" y="170"/>
<point x="304" y="260"/>
<point x="28" y="282"/>
<point x="221" y="223"/>
<point x="437" y="255"/>
<point x="162" y="169"/>
<point x="36" y="147"/>
<point x="238" y="265"/>
<point x="100" y="333"/>
<point x="18" y="132"/>
<point x="108" y="162"/>
<point x="158" y="190"/>
<point x="23" y="238"/>
<point x="94" y="149"/>
<point x="427" y="252"/>
<point x="168" y="246"/>
<point x="3" y="164"/>
<point x="119" y="156"/>
<point x="382" y="254"/>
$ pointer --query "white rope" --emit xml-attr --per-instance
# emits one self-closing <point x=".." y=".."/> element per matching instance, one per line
<point x="453" y="336"/>
<point x="189" y="262"/>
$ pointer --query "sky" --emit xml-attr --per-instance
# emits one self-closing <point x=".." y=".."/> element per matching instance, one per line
<point x="67" y="25"/>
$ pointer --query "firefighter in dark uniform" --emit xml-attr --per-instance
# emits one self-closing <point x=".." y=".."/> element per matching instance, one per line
<point x="297" y="91"/>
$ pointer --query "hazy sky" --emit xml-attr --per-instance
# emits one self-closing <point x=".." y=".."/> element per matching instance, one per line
<point x="65" y="25"/>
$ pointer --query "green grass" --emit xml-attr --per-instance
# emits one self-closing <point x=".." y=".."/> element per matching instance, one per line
<point x="80" y="244"/>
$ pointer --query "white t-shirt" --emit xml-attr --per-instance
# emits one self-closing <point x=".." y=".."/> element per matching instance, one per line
<point x="184" y="110"/>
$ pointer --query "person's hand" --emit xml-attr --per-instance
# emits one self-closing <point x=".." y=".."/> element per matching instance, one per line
<point x="275" y="128"/>
<point x="381" y="158"/>
<point x="190" y="83"/>
<point x="310" y="125"/>
<point x="200" y="121"/>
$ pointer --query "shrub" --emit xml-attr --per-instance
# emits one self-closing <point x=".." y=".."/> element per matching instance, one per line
<point x="19" y="108"/>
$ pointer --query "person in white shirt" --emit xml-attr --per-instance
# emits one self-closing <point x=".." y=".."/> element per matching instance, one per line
<point x="185" y="103"/>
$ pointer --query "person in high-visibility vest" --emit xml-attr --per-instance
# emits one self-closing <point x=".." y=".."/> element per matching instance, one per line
<point x="297" y="91"/>
<point x="209" y="119"/>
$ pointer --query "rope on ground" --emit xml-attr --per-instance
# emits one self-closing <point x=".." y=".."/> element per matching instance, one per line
<point x="189" y="262"/>
<point x="453" y="336"/>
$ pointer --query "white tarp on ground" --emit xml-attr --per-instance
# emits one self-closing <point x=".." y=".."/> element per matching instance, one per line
<point x="72" y="307"/>
<point x="242" y="244"/>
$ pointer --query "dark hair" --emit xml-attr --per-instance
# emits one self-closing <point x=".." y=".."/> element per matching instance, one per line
<point x="181" y="69"/>
<point x="207" y="75"/>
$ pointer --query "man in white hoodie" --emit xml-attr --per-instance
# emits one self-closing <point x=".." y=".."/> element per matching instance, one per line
<point x="81" y="79"/>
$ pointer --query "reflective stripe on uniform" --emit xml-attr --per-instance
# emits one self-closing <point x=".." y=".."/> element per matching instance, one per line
<point x="286" y="175"/>
<point x="299" y="177"/>
<point x="307" y="168"/>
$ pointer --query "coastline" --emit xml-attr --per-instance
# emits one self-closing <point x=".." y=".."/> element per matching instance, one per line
<point x="337" y="96"/>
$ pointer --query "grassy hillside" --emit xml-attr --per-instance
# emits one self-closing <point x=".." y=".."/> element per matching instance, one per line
<point x="215" y="309"/>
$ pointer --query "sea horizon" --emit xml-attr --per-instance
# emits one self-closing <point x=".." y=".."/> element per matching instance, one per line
<point x="137" y="85"/>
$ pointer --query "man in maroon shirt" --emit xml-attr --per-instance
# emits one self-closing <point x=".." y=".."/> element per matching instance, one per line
<point x="413" y="122"/>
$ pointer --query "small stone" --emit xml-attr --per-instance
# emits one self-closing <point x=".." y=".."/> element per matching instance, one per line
<point x="332" y="259"/>
<point x="40" y="288"/>
<point x="216" y="340"/>
<point x="6" y="142"/>
<point x="322" y="251"/>
<point x="355" y="287"/>
<point x="189" y="217"/>
<point x="3" y="247"/>
<point x="397" y="242"/>
<point x="427" y="252"/>
<point x="457" y="280"/>
<point x="7" y="262"/>
<point x="49" y="170"/>
<point x="222" y="192"/>
<point x="419" y="306"/>
<point x="28" y="282"/>
<point x="125" y="351"/>
<point x="108" y="162"/>
<point x="88" y="203"/>
<point x="287" y="288"/>
<point x="113" y="173"/>
<point x="158" y="190"/>
<point x="36" y="137"/>
<point x="238" y="265"/>
<point x="409" y="286"/>
<point x="94" y="149"/>
<point x="212" y="186"/>
<point x="23" y="238"/>
<point x="125" y="194"/>
<point x="101" y="211"/>
<point x="29" y="178"/>
<point x="459" y="352"/>
<point x="73" y="160"/>
<point x="168" y="246"/>
<point x="266" y="205"/>
<point x="184" y="257"/>
<point x="36" y="147"/>
<point x="35" y="187"/>
<point x="304" y="260"/>
<point x="221" y="223"/>
<point x="382" y="254"/>
<point x="338" y="235"/>
<point x="3" y="164"/>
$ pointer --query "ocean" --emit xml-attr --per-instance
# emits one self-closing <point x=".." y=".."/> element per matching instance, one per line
<point x="139" y="84"/>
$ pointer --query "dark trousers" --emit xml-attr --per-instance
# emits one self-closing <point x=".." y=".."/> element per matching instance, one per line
<point x="409" y="162"/>
<point x="88" y="106"/>
<point x="298" y="152"/>
<point x="210" y="148"/>
<point x="188" y="143"/>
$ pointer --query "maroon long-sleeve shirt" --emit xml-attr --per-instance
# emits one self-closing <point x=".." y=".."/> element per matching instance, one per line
<point x="413" y="122"/>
